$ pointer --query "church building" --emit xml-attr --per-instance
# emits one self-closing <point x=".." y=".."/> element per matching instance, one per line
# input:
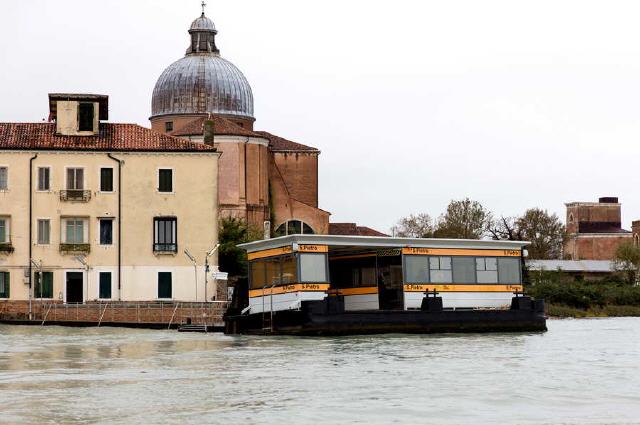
<point x="262" y="177"/>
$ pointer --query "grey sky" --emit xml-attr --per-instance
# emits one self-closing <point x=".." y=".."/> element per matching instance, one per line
<point x="413" y="103"/>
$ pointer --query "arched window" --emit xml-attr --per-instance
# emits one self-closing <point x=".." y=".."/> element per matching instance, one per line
<point x="294" y="227"/>
<point x="570" y="218"/>
<point x="636" y="239"/>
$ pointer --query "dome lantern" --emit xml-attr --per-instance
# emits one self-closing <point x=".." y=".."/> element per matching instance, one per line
<point x="202" y="81"/>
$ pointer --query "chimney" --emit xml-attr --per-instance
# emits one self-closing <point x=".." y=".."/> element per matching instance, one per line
<point x="208" y="131"/>
<point x="608" y="200"/>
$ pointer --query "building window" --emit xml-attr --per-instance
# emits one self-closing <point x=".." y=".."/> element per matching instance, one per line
<point x="4" y="230"/>
<point x="294" y="227"/>
<point x="74" y="231"/>
<point x="165" y="180"/>
<point x="164" y="286"/>
<point x="570" y="218"/>
<point x="487" y="270"/>
<point x="106" y="180"/>
<point x="4" y="178"/>
<point x="168" y="126"/>
<point x="44" y="232"/>
<point x="44" y="176"/>
<point x="509" y="270"/>
<point x="4" y="285"/>
<point x="75" y="178"/>
<point x="85" y="116"/>
<point x="104" y="292"/>
<point x="43" y="289"/>
<point x="165" y="234"/>
<point x="440" y="269"/>
<point x="106" y="231"/>
<point x="636" y="239"/>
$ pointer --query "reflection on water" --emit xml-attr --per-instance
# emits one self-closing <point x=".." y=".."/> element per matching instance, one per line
<point x="580" y="372"/>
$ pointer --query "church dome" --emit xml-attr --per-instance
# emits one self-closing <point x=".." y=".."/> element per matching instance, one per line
<point x="202" y="81"/>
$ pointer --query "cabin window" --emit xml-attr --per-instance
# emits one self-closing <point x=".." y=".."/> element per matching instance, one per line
<point x="43" y="289"/>
<point x="288" y="270"/>
<point x="313" y="268"/>
<point x="416" y="269"/>
<point x="257" y="270"/>
<point x="85" y="116"/>
<point x="440" y="269"/>
<point x="508" y="270"/>
<point x="4" y="285"/>
<point x="487" y="270"/>
<point x="352" y="272"/>
<point x="272" y="267"/>
<point x="464" y="270"/>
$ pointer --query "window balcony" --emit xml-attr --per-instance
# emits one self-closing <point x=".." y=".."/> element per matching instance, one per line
<point x="6" y="247"/>
<point x="74" y="195"/>
<point x="165" y="248"/>
<point x="75" y="248"/>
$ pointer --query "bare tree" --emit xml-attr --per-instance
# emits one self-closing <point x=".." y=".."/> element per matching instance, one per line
<point x="414" y="226"/>
<point x="464" y="219"/>
<point x="505" y="228"/>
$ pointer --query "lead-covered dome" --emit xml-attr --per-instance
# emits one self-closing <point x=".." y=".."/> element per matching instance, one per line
<point x="202" y="81"/>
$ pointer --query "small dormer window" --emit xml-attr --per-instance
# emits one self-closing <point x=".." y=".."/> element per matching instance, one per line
<point x="85" y="116"/>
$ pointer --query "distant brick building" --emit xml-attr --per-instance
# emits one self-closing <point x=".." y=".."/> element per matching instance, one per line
<point x="594" y="229"/>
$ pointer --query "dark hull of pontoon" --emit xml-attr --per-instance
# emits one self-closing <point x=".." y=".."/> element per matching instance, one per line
<point x="315" y="318"/>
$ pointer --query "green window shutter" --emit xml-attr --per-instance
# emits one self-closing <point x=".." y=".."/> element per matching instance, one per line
<point x="47" y="285"/>
<point x="164" y="285"/>
<point x="5" y="285"/>
<point x="105" y="285"/>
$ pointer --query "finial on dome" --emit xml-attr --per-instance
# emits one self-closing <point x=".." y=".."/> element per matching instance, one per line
<point x="203" y="6"/>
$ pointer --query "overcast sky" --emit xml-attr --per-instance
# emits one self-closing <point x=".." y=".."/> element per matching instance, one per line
<point x="413" y="103"/>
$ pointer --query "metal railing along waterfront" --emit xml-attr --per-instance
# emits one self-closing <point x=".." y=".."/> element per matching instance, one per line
<point x="149" y="313"/>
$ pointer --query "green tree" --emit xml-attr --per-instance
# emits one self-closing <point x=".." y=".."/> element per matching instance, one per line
<point x="464" y="219"/>
<point x="545" y="232"/>
<point x="627" y="260"/>
<point x="232" y="232"/>
<point x="414" y="226"/>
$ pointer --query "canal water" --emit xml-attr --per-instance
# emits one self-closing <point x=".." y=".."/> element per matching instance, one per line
<point x="579" y="372"/>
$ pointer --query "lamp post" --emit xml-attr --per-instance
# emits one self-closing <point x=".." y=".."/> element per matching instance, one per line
<point x="195" y="269"/>
<point x="206" y="268"/>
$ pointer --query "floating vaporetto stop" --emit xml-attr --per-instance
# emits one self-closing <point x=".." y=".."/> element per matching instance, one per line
<point x="349" y="285"/>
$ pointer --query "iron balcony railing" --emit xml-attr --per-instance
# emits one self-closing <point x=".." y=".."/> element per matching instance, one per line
<point x="75" y="247"/>
<point x="6" y="247"/>
<point x="165" y="247"/>
<point x="75" y="195"/>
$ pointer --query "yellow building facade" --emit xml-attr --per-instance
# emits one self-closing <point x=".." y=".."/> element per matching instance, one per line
<point x="91" y="211"/>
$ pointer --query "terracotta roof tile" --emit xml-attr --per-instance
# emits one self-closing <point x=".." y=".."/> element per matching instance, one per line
<point x="279" y="144"/>
<point x="111" y="137"/>
<point x="351" y="229"/>
<point x="221" y="126"/>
